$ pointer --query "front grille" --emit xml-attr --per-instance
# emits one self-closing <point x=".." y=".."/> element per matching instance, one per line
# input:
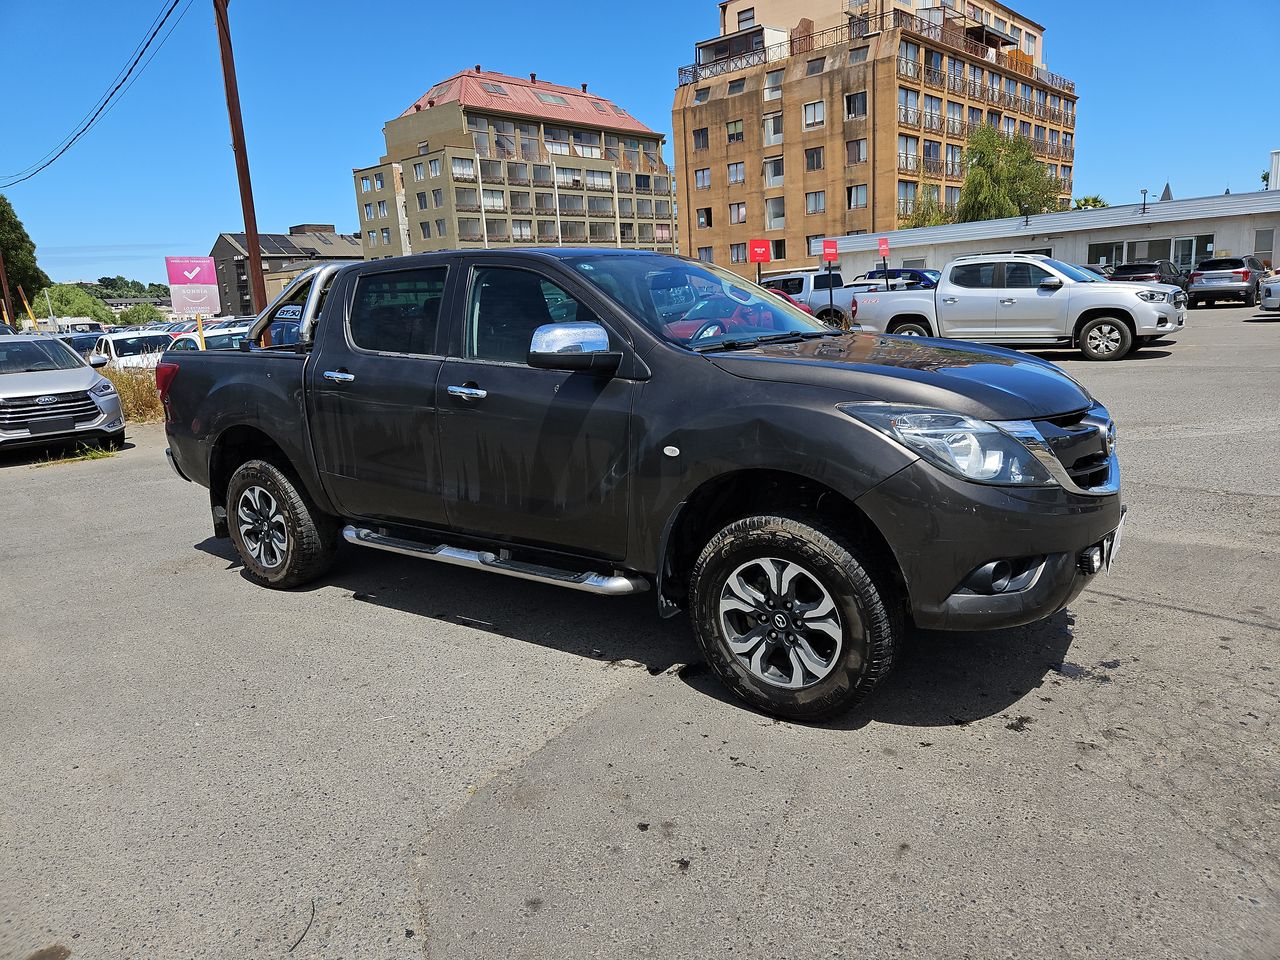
<point x="19" y="413"/>
<point x="1080" y="445"/>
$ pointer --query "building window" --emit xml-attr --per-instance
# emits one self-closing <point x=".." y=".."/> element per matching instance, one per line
<point x="737" y="253"/>
<point x="553" y="99"/>
<point x="705" y="255"/>
<point x="772" y="125"/>
<point x="737" y="213"/>
<point x="814" y="66"/>
<point x="702" y="95"/>
<point x="373" y="238"/>
<point x="857" y="196"/>
<point x="426" y="230"/>
<point x="433" y="167"/>
<point x="377" y="181"/>
<point x="702" y="179"/>
<point x="736" y="86"/>
<point x="952" y="197"/>
<point x="422" y="201"/>
<point x="855" y="151"/>
<point x="775" y="213"/>
<point x="382" y="209"/>
<point x="855" y="105"/>
<point x="437" y="198"/>
<point x="815" y="114"/>
<point x="815" y="202"/>
<point x="364" y="184"/>
<point x="773" y="171"/>
<point x="858" y="55"/>
<point x="813" y="158"/>
<point x="496" y="89"/>
<point x="368" y="211"/>
<point x="442" y="228"/>
<point x="773" y="84"/>
<point x="464" y="168"/>
<point x="386" y="236"/>
<point x="907" y="191"/>
<point x="746" y="18"/>
<point x="700" y="139"/>
<point x="704" y="218"/>
<point x="777" y="249"/>
<point x="734" y="130"/>
<point x="737" y="172"/>
<point x="419" y="171"/>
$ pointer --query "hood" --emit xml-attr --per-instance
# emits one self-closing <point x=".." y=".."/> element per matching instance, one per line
<point x="47" y="381"/>
<point x="978" y="381"/>
<point x="1137" y="285"/>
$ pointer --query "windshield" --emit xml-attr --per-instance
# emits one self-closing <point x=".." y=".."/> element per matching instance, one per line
<point x="29" y="356"/>
<point x="133" y="346"/>
<point x="1075" y="273"/>
<point x="694" y="304"/>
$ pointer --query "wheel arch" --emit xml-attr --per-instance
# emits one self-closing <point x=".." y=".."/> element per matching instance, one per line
<point x="901" y="318"/>
<point x="1096" y="313"/>
<point x="239" y="443"/>
<point x="722" y="499"/>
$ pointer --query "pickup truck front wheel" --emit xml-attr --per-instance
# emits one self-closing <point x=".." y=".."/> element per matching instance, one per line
<point x="911" y="328"/>
<point x="792" y="618"/>
<point x="1105" y="338"/>
<point x="282" y="539"/>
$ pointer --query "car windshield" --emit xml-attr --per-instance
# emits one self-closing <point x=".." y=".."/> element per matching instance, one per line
<point x="1075" y="273"/>
<point x="1224" y="263"/>
<point x="695" y="304"/>
<point x="134" y="346"/>
<point x="30" y="356"/>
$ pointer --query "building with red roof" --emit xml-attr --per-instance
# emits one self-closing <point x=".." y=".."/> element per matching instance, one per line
<point x="484" y="159"/>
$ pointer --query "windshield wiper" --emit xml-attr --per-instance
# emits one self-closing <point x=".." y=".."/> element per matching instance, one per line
<point x="727" y="345"/>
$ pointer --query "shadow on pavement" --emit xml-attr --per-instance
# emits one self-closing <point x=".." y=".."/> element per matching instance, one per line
<point x="29" y="456"/>
<point x="1264" y="318"/>
<point x="1142" y="353"/>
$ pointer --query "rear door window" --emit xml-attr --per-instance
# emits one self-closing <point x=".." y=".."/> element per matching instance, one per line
<point x="976" y="276"/>
<point x="398" y="312"/>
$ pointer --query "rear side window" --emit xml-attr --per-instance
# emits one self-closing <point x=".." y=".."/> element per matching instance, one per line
<point x="1223" y="263"/>
<point x="791" y="286"/>
<point x="974" y="275"/>
<point x="820" y="281"/>
<point x="398" y="312"/>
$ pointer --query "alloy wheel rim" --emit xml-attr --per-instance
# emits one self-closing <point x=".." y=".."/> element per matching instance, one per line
<point x="262" y="527"/>
<point x="781" y="623"/>
<point x="1104" y="338"/>
<point x="911" y="332"/>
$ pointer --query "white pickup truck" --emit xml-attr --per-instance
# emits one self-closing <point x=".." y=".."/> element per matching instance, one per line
<point x="1030" y="300"/>
<point x="823" y="293"/>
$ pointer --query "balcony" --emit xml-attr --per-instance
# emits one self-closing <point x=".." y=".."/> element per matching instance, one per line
<point x="467" y="207"/>
<point x="795" y="46"/>
<point x="600" y="213"/>
<point x="935" y="122"/>
<point x="601" y="187"/>
<point x="495" y="208"/>
<point x="462" y="177"/>
<point x="521" y="208"/>
<point x="908" y="163"/>
<point x="909" y="116"/>
<point x="518" y="181"/>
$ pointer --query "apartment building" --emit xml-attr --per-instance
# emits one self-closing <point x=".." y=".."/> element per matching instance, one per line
<point x="807" y="119"/>
<point x="305" y="243"/>
<point x="483" y="159"/>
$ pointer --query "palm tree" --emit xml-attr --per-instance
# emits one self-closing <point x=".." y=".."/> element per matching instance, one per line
<point x="1091" y="202"/>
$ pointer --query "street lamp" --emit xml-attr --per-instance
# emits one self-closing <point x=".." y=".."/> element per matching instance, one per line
<point x="1144" y="200"/>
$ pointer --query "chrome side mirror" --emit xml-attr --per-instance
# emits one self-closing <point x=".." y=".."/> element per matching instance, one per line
<point x="1051" y="283"/>
<point x="578" y="345"/>
<point x="97" y="360"/>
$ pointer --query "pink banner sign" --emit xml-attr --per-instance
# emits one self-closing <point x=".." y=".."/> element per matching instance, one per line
<point x="193" y="285"/>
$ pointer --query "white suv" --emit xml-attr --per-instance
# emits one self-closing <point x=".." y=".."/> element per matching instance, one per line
<point x="1030" y="300"/>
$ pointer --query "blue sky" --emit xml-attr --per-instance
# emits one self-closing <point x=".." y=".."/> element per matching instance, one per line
<point x="1171" y="91"/>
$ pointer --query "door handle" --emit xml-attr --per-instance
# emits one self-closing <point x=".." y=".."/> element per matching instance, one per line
<point x="468" y="393"/>
<point x="1009" y="301"/>
<point x="339" y="376"/>
<point x="950" y="299"/>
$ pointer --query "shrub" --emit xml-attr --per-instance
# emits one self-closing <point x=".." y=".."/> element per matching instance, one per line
<point x="139" y="399"/>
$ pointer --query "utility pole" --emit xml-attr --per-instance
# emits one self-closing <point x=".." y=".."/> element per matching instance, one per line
<point x="4" y="288"/>
<point x="252" y="246"/>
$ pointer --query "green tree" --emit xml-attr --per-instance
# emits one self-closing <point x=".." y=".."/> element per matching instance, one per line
<point x="928" y="210"/>
<point x="19" y="258"/>
<point x="71" y="300"/>
<point x="1266" y="179"/>
<point x="1003" y="178"/>
<point x="1091" y="202"/>
<point x="140" y="313"/>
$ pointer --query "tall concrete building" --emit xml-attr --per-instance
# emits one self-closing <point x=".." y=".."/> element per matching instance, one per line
<point x="807" y="119"/>
<point x="487" y="160"/>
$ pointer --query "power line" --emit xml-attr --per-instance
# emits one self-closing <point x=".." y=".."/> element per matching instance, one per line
<point x="102" y="106"/>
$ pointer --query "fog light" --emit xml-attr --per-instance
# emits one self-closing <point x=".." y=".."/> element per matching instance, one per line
<point x="1091" y="560"/>
<point x="117" y="422"/>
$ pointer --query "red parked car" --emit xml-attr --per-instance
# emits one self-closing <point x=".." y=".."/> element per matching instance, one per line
<point x="791" y="300"/>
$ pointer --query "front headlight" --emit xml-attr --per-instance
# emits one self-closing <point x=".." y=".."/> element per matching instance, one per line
<point x="968" y="448"/>
<point x="1153" y="296"/>
<point x="104" y="389"/>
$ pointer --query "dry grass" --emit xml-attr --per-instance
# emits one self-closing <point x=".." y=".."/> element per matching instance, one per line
<point x="84" y="451"/>
<point x="138" y="397"/>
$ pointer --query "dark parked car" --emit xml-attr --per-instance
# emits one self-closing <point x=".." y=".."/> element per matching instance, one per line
<point x="1152" y="271"/>
<point x="914" y="279"/>
<point x="614" y="421"/>
<point x="6" y="330"/>
<point x="1227" y="278"/>
<point x="81" y="343"/>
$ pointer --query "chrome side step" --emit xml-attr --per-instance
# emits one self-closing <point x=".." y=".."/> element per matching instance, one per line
<point x="616" y="585"/>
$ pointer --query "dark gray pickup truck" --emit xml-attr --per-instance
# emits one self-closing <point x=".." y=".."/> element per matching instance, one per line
<point x="615" y="421"/>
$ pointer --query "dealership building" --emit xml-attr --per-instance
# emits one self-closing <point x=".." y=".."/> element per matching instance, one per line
<point x="1184" y="231"/>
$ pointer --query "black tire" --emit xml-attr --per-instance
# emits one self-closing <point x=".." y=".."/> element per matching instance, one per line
<point x="833" y="319"/>
<point x="1193" y="303"/>
<point x="309" y="536"/>
<point x="1105" y="338"/>
<point x="868" y="608"/>
<point x="112" y="442"/>
<point x="1251" y="298"/>
<point x="911" y="328"/>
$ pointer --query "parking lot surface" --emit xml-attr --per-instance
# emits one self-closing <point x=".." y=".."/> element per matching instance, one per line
<point x="412" y="760"/>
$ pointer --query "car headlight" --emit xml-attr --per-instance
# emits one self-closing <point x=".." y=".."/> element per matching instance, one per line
<point x="1153" y="296"/>
<point x="968" y="448"/>
<point x="104" y="389"/>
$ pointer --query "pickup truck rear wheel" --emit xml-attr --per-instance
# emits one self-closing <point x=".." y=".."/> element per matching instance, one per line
<point x="282" y="539"/>
<point x="911" y="328"/>
<point x="1105" y="338"/>
<point x="792" y="618"/>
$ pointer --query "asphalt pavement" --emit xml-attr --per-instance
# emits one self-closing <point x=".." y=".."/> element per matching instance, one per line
<point x="410" y="760"/>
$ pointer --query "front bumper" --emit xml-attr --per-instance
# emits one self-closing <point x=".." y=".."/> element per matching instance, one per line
<point x="942" y="529"/>
<point x="1161" y="318"/>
